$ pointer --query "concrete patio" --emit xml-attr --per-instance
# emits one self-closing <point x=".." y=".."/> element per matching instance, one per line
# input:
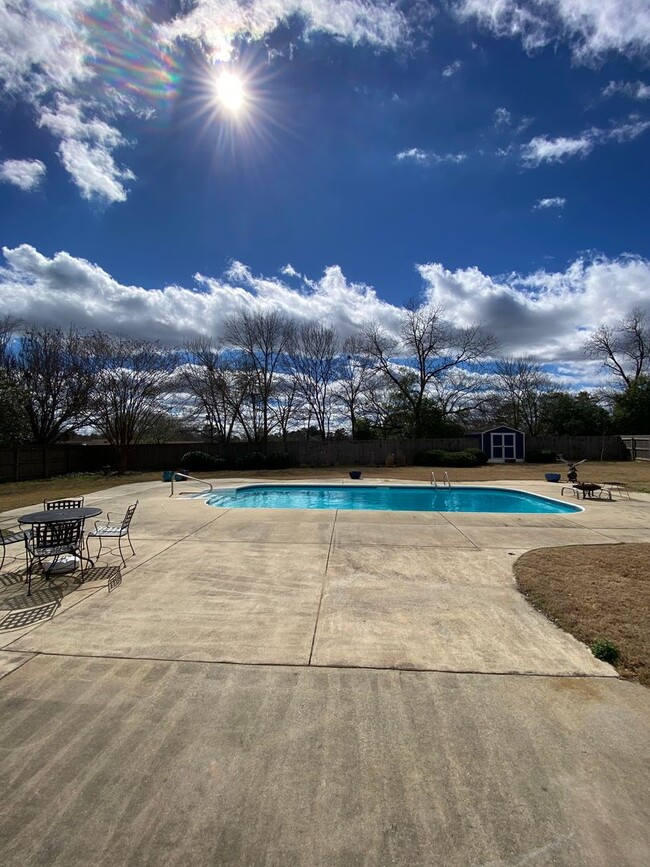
<point x="321" y="688"/>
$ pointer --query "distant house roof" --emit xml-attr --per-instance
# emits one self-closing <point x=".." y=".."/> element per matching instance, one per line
<point x="494" y="427"/>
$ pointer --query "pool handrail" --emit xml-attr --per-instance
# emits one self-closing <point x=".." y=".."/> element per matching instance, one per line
<point x="445" y="480"/>
<point x="208" y="490"/>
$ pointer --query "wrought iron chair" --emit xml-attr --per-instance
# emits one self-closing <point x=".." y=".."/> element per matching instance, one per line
<point x="51" y="541"/>
<point x="66" y="503"/>
<point x="115" y="530"/>
<point x="11" y="537"/>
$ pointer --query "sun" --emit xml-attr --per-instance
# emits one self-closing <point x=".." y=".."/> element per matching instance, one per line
<point x="230" y="92"/>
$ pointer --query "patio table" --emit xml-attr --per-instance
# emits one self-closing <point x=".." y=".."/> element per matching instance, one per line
<point x="55" y="516"/>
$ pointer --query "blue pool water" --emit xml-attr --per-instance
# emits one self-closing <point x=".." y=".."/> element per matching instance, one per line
<point x="386" y="498"/>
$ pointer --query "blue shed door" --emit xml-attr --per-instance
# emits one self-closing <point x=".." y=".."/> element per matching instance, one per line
<point x="503" y="446"/>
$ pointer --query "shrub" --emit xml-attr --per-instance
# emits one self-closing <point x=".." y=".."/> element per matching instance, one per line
<point x="201" y="461"/>
<point x="278" y="461"/>
<point x="251" y="461"/>
<point x="430" y="458"/>
<point x="440" y="458"/>
<point x="541" y="456"/>
<point x="605" y="650"/>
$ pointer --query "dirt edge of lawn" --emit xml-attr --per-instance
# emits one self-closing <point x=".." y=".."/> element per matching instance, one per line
<point x="595" y="592"/>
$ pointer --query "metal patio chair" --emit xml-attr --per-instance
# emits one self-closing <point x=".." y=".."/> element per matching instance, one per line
<point x="115" y="530"/>
<point x="52" y="541"/>
<point x="11" y="537"/>
<point x="65" y="503"/>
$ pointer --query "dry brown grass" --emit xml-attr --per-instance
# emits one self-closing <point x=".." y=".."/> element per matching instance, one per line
<point x="595" y="592"/>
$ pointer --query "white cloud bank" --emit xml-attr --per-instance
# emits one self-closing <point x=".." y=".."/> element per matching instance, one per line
<point x="545" y="314"/>
<point x="26" y="174"/>
<point x="592" y="27"/>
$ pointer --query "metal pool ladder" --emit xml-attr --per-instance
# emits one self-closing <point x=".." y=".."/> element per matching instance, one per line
<point x="208" y="490"/>
<point x="445" y="480"/>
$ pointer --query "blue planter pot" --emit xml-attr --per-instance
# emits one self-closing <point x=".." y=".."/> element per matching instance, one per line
<point x="355" y="474"/>
<point x="552" y="477"/>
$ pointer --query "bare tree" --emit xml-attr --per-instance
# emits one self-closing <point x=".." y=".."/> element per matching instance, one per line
<point x="357" y="375"/>
<point x="426" y="348"/>
<point x="521" y="383"/>
<point x="461" y="394"/>
<point x="623" y="348"/>
<point x="261" y="340"/>
<point x="55" y="373"/>
<point x="131" y="381"/>
<point x="219" y="390"/>
<point x="9" y="326"/>
<point x="315" y="358"/>
<point x="286" y="405"/>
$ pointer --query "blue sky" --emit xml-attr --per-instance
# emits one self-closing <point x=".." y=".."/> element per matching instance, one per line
<point x="487" y="155"/>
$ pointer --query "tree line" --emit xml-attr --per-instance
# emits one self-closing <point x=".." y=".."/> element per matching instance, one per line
<point x="270" y="378"/>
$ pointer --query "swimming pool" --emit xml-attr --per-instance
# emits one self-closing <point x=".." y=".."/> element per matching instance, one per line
<point x="386" y="498"/>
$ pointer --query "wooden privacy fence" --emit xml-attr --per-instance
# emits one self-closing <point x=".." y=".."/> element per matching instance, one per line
<point x="38" y="462"/>
<point x="638" y="447"/>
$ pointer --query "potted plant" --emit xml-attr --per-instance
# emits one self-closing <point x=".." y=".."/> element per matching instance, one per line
<point x="355" y="474"/>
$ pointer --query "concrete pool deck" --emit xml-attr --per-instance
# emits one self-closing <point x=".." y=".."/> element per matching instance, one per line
<point x="322" y="688"/>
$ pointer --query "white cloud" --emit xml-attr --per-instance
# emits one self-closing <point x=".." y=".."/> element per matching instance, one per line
<point x="627" y="131"/>
<point x="502" y="117"/>
<point x="633" y="89"/>
<point x="542" y="149"/>
<point x="452" y="69"/>
<point x="68" y="122"/>
<point x="415" y="154"/>
<point x="216" y="23"/>
<point x="592" y="27"/>
<point x="546" y="314"/>
<point x="85" y="151"/>
<point x="426" y="158"/>
<point x="26" y="174"/>
<point x="546" y="150"/>
<point x="64" y="290"/>
<point x="554" y="202"/>
<point x="94" y="171"/>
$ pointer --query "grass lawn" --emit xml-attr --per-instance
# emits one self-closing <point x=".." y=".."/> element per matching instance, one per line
<point x="594" y="592"/>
